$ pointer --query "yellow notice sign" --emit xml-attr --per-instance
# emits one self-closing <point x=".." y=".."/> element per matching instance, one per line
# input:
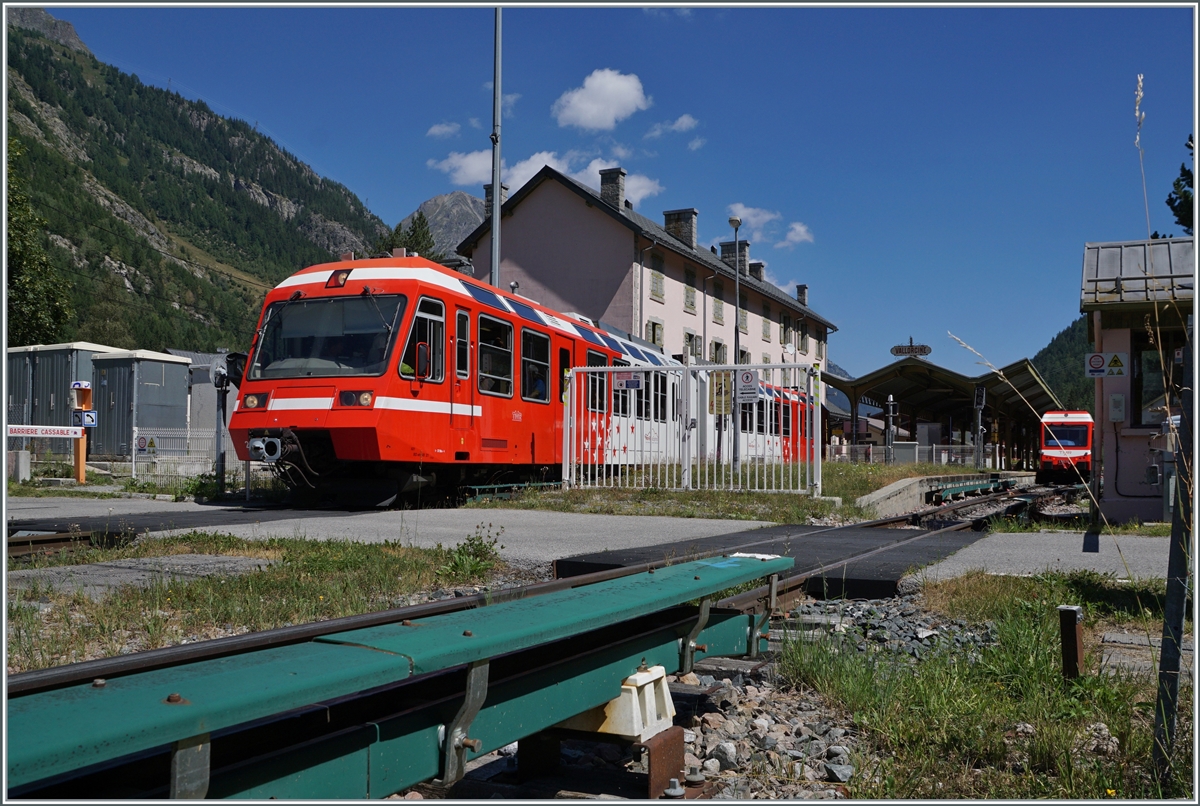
<point x="720" y="392"/>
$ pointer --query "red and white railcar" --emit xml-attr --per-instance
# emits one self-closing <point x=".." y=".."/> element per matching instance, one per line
<point x="1066" y="447"/>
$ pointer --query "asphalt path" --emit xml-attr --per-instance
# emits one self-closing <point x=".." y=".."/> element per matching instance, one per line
<point x="528" y="536"/>
<point x="1127" y="557"/>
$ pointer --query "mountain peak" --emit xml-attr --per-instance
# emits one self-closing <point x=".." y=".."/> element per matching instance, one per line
<point x="452" y="217"/>
<point x="38" y="19"/>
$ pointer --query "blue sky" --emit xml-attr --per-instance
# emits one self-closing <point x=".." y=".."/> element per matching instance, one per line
<point x="923" y="170"/>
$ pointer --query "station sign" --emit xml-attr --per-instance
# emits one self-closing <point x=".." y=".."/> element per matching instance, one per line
<point x="81" y="384"/>
<point x="911" y="349"/>
<point x="83" y="418"/>
<point x="1106" y="365"/>
<point x="74" y="432"/>
<point x="747" y="386"/>
<point x="627" y="380"/>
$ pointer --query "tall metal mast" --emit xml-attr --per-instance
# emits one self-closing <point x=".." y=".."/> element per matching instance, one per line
<point x="496" y="187"/>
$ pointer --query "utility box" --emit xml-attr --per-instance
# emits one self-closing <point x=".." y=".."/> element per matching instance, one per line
<point x="40" y="377"/>
<point x="904" y="453"/>
<point x="136" y="389"/>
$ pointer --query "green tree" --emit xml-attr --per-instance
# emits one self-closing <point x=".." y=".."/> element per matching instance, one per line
<point x="417" y="238"/>
<point x="38" y="310"/>
<point x="1180" y="199"/>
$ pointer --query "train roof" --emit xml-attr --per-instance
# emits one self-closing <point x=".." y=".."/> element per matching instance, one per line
<point x="1066" y="417"/>
<point x="426" y="271"/>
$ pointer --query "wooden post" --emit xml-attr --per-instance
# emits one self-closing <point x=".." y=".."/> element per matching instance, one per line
<point x="81" y="400"/>
<point x="1070" y="625"/>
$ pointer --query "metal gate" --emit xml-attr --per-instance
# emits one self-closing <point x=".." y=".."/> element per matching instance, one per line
<point x="750" y="427"/>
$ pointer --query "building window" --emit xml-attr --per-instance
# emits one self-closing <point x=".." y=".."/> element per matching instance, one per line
<point x="741" y="323"/>
<point x="718" y="298"/>
<point x="717" y="352"/>
<point x="535" y="366"/>
<point x="786" y="377"/>
<point x="766" y="321"/>
<point x="693" y="345"/>
<point x="654" y="332"/>
<point x="689" y="290"/>
<point x="744" y="357"/>
<point x="804" y="337"/>
<point x="785" y="329"/>
<point x="766" y="358"/>
<point x="820" y="343"/>
<point x="656" y="278"/>
<point x="1157" y="376"/>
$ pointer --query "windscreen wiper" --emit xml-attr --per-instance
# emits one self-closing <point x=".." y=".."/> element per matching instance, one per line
<point x="369" y="294"/>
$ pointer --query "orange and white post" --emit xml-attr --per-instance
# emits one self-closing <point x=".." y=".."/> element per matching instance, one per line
<point x="81" y="400"/>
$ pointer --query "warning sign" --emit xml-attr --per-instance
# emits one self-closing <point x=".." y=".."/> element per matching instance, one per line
<point x="747" y="385"/>
<point x="627" y="380"/>
<point x="720" y="393"/>
<point x="1106" y="365"/>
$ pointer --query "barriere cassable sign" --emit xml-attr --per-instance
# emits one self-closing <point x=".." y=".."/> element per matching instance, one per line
<point x="44" y="431"/>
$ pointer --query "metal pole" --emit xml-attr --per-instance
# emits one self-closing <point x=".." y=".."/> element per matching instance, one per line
<point x="889" y="437"/>
<point x="1177" y="577"/>
<point x="737" y="355"/>
<point x="496" y="187"/>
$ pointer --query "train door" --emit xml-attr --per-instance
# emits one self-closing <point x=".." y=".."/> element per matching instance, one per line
<point x="464" y="408"/>
<point x="424" y="366"/>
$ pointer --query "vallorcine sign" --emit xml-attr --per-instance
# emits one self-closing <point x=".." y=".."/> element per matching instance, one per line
<point x="911" y="349"/>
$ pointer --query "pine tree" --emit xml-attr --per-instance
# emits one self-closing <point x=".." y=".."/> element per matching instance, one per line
<point x="1180" y="199"/>
<point x="419" y="239"/>
<point x="38" y="310"/>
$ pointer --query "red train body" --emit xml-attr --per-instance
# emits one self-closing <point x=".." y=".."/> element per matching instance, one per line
<point x="373" y="378"/>
<point x="1066" y="447"/>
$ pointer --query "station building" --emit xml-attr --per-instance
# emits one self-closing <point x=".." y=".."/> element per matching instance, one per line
<point x="1138" y="297"/>
<point x="576" y="250"/>
<point x="936" y="412"/>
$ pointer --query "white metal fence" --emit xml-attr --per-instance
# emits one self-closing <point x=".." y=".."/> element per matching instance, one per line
<point x="677" y="427"/>
<point x="962" y="455"/>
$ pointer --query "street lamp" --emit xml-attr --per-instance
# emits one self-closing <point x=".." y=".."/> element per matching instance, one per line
<point x="736" y="222"/>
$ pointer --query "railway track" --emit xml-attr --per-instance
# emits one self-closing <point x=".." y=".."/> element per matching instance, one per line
<point x="26" y="544"/>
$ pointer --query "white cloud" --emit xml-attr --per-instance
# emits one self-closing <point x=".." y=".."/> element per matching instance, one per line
<point x="590" y="175"/>
<point x="621" y="152"/>
<point x="474" y="168"/>
<point x="508" y="102"/>
<point x="696" y="143"/>
<point x="606" y="98"/>
<point x="798" y="232"/>
<point x="754" y="219"/>
<point x="443" y="130"/>
<point x="475" y="124"/>
<point x="686" y="13"/>
<point x="638" y="187"/>
<point x="516" y="176"/>
<point x="684" y="123"/>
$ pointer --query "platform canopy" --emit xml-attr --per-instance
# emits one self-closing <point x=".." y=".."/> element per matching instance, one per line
<point x="933" y="392"/>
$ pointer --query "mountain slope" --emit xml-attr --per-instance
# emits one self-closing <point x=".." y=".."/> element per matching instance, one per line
<point x="1061" y="363"/>
<point x="452" y="217"/>
<point x="168" y="221"/>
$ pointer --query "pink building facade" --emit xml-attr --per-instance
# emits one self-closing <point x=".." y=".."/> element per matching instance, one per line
<point x="573" y="249"/>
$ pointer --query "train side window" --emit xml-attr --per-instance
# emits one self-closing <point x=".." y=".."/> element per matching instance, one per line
<point x="428" y="327"/>
<point x="462" y="345"/>
<point x="597" y="382"/>
<point x="535" y="366"/>
<point x="660" y="397"/>
<point x="495" y="357"/>
<point x="787" y="418"/>
<point x="620" y="396"/>
<point x="564" y="366"/>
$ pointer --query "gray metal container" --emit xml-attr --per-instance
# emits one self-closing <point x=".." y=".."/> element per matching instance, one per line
<point x="40" y="377"/>
<point x="136" y="389"/>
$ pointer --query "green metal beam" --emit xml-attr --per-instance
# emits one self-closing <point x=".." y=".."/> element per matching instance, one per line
<point x="64" y="730"/>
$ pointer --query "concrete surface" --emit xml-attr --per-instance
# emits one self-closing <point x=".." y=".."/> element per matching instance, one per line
<point x="97" y="579"/>
<point x="906" y="495"/>
<point x="1128" y="557"/>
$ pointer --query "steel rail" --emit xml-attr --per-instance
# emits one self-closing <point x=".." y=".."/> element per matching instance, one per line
<point x="70" y="674"/>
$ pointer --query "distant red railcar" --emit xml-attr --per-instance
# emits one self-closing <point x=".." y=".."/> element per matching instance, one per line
<point x="1066" y="447"/>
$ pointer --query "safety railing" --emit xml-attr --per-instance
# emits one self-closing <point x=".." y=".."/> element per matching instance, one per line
<point x="959" y="455"/>
<point x="711" y="427"/>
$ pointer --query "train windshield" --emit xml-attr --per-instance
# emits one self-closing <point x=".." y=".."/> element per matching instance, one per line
<point x="327" y="337"/>
<point x="1066" y="436"/>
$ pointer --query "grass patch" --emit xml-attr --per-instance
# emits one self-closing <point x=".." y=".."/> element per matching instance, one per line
<point x="840" y="480"/>
<point x="309" y="581"/>
<point x="948" y="728"/>
<point x="1132" y="529"/>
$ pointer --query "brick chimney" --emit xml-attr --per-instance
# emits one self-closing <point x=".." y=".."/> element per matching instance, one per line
<point x="612" y="187"/>
<point x="743" y="258"/>
<point x="682" y="224"/>
<point x="487" y="198"/>
<point x="756" y="270"/>
<point x="802" y="294"/>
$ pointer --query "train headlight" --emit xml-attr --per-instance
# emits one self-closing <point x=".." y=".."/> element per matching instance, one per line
<point x="254" y="401"/>
<point x="349" y="398"/>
